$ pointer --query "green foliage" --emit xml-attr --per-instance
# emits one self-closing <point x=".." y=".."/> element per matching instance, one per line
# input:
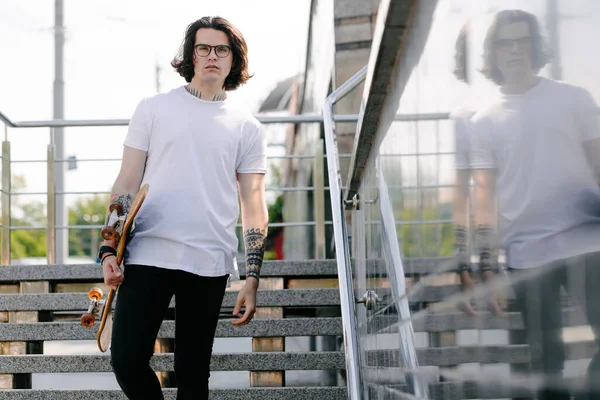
<point x="275" y="215"/>
<point x="425" y="240"/>
<point x="32" y="242"/>
<point x="86" y="211"/>
<point x="26" y="242"/>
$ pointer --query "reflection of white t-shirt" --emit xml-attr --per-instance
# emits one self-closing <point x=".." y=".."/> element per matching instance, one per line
<point x="461" y="123"/>
<point x="195" y="149"/>
<point x="548" y="197"/>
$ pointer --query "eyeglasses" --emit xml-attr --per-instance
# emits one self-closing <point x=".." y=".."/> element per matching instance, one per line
<point x="508" y="44"/>
<point x="203" y="50"/>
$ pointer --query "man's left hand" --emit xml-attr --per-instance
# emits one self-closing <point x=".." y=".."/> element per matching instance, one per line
<point x="246" y="297"/>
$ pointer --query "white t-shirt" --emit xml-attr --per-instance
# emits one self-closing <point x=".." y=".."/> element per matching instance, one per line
<point x="461" y="121"/>
<point x="548" y="197"/>
<point x="195" y="148"/>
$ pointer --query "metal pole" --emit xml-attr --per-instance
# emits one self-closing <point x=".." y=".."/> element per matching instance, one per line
<point x="347" y="299"/>
<point x="408" y="352"/>
<point x="6" y="189"/>
<point x="319" y="201"/>
<point x="264" y="119"/>
<point x="59" y="147"/>
<point x="51" y="204"/>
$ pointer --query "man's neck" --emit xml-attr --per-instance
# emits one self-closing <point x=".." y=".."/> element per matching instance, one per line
<point x="520" y="86"/>
<point x="204" y="92"/>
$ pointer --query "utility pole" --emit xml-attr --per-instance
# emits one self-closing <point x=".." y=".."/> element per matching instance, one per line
<point x="553" y="27"/>
<point x="58" y="133"/>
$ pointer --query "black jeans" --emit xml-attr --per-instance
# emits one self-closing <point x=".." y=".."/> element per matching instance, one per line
<point x="538" y="297"/>
<point x="142" y="302"/>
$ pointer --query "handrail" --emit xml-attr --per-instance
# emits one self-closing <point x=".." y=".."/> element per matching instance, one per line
<point x="347" y="299"/>
<point x="265" y="119"/>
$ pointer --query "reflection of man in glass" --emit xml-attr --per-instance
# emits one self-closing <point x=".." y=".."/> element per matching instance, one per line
<point x="535" y="152"/>
<point x="461" y="125"/>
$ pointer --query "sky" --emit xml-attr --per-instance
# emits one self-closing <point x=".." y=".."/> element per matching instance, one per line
<point x="111" y="53"/>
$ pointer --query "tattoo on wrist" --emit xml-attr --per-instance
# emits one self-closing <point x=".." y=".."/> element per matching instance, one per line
<point x="254" y="242"/>
<point x="124" y="200"/>
<point x="196" y="93"/>
<point x="460" y="247"/>
<point x="485" y="238"/>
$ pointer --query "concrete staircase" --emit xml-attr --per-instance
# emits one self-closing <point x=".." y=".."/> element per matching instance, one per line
<point x="307" y="297"/>
<point x="57" y="312"/>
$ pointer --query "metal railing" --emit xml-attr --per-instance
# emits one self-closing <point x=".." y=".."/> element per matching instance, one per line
<point x="53" y="226"/>
<point x="318" y="187"/>
<point x="347" y="299"/>
<point x="408" y="353"/>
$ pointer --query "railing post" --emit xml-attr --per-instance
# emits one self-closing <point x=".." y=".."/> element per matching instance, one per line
<point x="6" y="198"/>
<point x="51" y="204"/>
<point x="6" y="380"/>
<point x="347" y="296"/>
<point x="319" y="201"/>
<point x="408" y="353"/>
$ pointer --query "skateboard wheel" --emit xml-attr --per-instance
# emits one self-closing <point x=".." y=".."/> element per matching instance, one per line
<point x="88" y="319"/>
<point x="116" y="206"/>
<point x="108" y="233"/>
<point x="95" y="293"/>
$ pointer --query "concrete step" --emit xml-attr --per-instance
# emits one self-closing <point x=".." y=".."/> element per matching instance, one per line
<point x="73" y="330"/>
<point x="440" y="356"/>
<point x="270" y="268"/>
<point x="256" y="361"/>
<point x="80" y="301"/>
<point x="24" y="331"/>
<point x="93" y="272"/>
<point x="285" y="393"/>
<point x="453" y="321"/>
<point x="489" y="388"/>
<point x="488" y="354"/>
<point x="274" y="298"/>
<point x="441" y="391"/>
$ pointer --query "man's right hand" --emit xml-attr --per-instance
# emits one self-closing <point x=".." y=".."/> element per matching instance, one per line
<point x="497" y="297"/>
<point x="113" y="276"/>
<point x="467" y="284"/>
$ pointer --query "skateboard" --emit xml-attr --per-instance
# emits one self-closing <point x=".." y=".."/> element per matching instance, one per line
<point x="119" y="226"/>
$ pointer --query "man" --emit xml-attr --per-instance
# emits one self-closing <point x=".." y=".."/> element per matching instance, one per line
<point x="195" y="151"/>
<point x="460" y="118"/>
<point x="535" y="153"/>
<point x="462" y="207"/>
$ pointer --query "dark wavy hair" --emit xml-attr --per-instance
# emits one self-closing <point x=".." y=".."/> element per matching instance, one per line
<point x="540" y="55"/>
<point x="184" y="61"/>
<point x="460" y="70"/>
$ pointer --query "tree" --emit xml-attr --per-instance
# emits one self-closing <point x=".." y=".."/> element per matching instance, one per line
<point x="32" y="242"/>
<point x="86" y="211"/>
<point x="26" y="242"/>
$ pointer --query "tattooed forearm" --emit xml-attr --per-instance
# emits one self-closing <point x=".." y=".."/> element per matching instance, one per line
<point x="125" y="200"/>
<point x="254" y="241"/>
<point x="195" y="92"/>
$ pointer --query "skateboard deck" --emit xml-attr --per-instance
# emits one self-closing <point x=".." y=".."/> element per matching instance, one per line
<point x="119" y="224"/>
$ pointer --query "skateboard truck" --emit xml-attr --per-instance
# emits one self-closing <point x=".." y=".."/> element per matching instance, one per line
<point x="116" y="221"/>
<point x="95" y="308"/>
<point x="117" y="228"/>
